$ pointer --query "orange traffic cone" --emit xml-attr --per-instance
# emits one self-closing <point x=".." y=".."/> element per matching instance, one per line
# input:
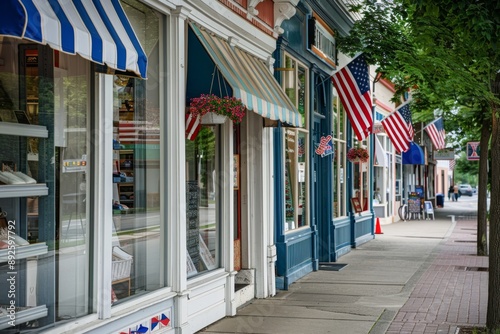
<point x="378" y="230"/>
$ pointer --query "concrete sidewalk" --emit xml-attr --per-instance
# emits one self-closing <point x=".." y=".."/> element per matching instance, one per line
<point x="417" y="277"/>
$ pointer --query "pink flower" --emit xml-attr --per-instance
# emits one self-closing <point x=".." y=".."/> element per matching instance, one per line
<point x="357" y="154"/>
<point x="227" y="106"/>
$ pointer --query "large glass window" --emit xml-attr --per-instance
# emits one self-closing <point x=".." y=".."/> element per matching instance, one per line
<point x="296" y="186"/>
<point x="339" y="160"/>
<point x="203" y="192"/>
<point x="71" y="107"/>
<point x="138" y="231"/>
<point x="361" y="177"/>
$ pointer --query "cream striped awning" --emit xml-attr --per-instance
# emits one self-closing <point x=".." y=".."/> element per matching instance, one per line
<point x="250" y="80"/>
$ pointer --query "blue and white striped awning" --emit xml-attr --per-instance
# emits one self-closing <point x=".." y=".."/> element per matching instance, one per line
<point x="250" y="80"/>
<point x="97" y="30"/>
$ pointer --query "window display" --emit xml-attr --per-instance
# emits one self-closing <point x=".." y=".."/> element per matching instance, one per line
<point x="25" y="248"/>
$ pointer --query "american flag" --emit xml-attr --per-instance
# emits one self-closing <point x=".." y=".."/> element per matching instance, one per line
<point x="435" y="130"/>
<point x="193" y="126"/>
<point x="398" y="126"/>
<point x="452" y="164"/>
<point x="353" y="85"/>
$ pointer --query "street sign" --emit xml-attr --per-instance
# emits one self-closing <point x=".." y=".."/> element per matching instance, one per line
<point x="473" y="151"/>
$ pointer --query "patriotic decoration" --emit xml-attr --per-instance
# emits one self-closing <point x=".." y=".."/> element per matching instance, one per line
<point x="159" y="322"/>
<point x="452" y="164"/>
<point x="155" y="324"/>
<point x="353" y="85"/>
<point x="193" y="126"/>
<point x="435" y="130"/>
<point x="398" y="126"/>
<point x="325" y="147"/>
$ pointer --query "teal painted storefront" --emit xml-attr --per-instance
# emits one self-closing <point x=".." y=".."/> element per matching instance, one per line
<point x="326" y="239"/>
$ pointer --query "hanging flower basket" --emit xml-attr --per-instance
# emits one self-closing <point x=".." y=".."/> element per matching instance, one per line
<point x="229" y="107"/>
<point x="213" y="118"/>
<point x="358" y="154"/>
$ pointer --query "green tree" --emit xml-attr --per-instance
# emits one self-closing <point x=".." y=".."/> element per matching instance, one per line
<point x="446" y="51"/>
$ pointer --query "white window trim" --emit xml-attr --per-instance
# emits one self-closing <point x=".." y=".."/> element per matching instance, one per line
<point x="103" y="196"/>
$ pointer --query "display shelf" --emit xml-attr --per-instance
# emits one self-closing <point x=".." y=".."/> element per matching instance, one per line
<point x="23" y="252"/>
<point x="25" y="130"/>
<point x="23" y="190"/>
<point x="24" y="315"/>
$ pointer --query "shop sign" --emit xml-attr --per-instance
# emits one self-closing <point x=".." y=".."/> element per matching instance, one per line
<point x="444" y="155"/>
<point x="473" y="150"/>
<point x="325" y="147"/>
<point x="378" y="128"/>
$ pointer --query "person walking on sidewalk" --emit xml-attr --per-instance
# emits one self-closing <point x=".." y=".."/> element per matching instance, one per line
<point x="450" y="193"/>
<point x="455" y="193"/>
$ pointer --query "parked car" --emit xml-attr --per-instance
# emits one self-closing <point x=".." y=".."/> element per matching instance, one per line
<point x="465" y="189"/>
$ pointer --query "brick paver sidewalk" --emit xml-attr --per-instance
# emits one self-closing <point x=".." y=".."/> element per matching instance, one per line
<point x="452" y="292"/>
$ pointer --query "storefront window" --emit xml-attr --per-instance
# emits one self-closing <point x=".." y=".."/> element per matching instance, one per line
<point x="339" y="160"/>
<point x="296" y="148"/>
<point x="398" y="184"/>
<point x="361" y="178"/>
<point x="71" y="107"/>
<point x="46" y="123"/>
<point x="203" y="192"/>
<point x="138" y="229"/>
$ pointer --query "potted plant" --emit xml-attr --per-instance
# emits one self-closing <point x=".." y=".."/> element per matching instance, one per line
<point x="358" y="154"/>
<point x="210" y="106"/>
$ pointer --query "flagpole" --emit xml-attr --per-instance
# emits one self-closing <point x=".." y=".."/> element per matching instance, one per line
<point x="434" y="121"/>
<point x="422" y="129"/>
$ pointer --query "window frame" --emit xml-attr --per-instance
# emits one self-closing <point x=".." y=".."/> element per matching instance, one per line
<point x="339" y="129"/>
<point x="297" y="69"/>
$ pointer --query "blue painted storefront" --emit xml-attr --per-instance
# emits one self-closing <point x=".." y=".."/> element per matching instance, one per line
<point x="300" y="252"/>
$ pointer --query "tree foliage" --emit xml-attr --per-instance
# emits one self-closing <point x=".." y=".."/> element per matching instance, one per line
<point x="445" y="52"/>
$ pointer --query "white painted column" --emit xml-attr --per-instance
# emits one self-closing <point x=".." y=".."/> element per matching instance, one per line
<point x="226" y="211"/>
<point x="268" y="211"/>
<point x="174" y="187"/>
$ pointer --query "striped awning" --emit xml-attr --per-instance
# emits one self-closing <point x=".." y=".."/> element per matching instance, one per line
<point x="97" y="30"/>
<point x="250" y="80"/>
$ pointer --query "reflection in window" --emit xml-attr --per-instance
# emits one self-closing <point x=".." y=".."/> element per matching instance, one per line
<point x="339" y="160"/>
<point x="71" y="99"/>
<point x="296" y="148"/>
<point x="202" y="209"/>
<point x="361" y="181"/>
<point x="138" y="228"/>
<point x="295" y="180"/>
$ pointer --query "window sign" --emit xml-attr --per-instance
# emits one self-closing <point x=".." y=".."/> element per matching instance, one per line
<point x="324" y="147"/>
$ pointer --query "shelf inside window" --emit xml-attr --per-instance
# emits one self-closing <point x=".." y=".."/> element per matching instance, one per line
<point x="25" y="130"/>
<point x="23" y="252"/>
<point x="23" y="190"/>
<point x="24" y="315"/>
